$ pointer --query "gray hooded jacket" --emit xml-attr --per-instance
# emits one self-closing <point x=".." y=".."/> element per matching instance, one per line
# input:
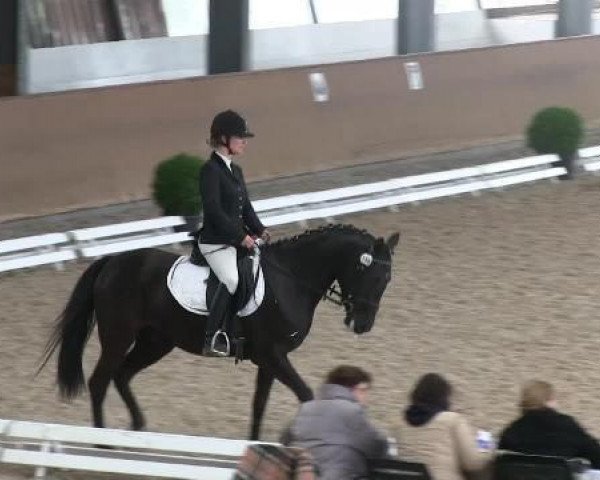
<point x="335" y="430"/>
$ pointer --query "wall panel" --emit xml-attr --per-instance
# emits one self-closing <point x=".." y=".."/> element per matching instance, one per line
<point x="64" y="151"/>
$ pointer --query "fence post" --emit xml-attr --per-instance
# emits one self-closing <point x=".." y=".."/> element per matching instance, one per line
<point x="40" y="472"/>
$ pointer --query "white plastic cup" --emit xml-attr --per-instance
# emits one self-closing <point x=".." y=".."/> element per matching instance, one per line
<point x="392" y="447"/>
<point x="485" y="441"/>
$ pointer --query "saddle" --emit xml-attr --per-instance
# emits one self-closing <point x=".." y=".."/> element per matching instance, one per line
<point x="247" y="281"/>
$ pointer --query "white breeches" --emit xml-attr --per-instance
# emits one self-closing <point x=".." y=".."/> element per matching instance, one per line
<point x="223" y="261"/>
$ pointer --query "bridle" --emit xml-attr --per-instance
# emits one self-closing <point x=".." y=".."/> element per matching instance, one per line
<point x="334" y="294"/>
<point x="348" y="300"/>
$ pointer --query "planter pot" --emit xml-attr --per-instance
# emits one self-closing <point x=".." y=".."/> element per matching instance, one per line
<point x="569" y="162"/>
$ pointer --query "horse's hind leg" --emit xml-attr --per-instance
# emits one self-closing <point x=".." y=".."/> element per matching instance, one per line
<point x="99" y="381"/>
<point x="149" y="348"/>
<point x="111" y="358"/>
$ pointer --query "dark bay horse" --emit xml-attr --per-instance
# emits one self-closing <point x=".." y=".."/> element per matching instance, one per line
<point x="139" y="321"/>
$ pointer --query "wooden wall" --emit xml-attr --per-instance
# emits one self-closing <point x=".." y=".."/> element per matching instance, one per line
<point x="64" y="151"/>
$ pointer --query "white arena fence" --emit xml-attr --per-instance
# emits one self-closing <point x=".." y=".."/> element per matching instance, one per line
<point x="298" y="208"/>
<point x="46" y="446"/>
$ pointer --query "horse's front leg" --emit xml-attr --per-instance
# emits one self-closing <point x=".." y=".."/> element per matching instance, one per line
<point x="285" y="372"/>
<point x="270" y="367"/>
<point x="264" y="382"/>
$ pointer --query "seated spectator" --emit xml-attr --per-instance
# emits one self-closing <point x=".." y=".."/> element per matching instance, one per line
<point x="542" y="430"/>
<point x="335" y="429"/>
<point x="274" y="462"/>
<point x="431" y="434"/>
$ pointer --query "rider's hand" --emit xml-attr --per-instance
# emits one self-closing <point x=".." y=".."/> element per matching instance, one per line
<point x="248" y="242"/>
<point x="266" y="236"/>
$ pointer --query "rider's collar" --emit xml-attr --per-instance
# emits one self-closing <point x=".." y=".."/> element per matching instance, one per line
<point x="226" y="159"/>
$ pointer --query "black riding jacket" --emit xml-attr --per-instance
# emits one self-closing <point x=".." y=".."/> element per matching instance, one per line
<point x="228" y="213"/>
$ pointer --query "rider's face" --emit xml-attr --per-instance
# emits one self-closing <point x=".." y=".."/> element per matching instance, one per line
<point x="237" y="145"/>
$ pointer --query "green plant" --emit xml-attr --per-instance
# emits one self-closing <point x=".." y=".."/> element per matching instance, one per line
<point x="176" y="186"/>
<point x="556" y="130"/>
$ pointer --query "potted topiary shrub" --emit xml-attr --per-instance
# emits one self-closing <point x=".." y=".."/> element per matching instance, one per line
<point x="557" y="130"/>
<point x="176" y="187"/>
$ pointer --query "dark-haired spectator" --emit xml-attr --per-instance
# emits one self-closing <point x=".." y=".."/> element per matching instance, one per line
<point x="542" y="430"/>
<point x="432" y="434"/>
<point x="335" y="429"/>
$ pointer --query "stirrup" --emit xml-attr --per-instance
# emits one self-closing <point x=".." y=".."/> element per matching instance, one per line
<point x="213" y="343"/>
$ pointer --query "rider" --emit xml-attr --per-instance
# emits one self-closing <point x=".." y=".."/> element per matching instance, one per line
<point x="230" y="221"/>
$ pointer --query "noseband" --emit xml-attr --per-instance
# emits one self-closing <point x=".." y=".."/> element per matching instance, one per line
<point x="349" y="301"/>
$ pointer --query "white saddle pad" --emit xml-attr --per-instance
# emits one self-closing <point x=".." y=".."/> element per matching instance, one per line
<point x="187" y="284"/>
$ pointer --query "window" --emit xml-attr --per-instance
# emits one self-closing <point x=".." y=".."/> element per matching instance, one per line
<point x="453" y="6"/>
<point x="190" y="17"/>
<point x="279" y="13"/>
<point x="186" y="17"/>
<point x="515" y="3"/>
<point x="331" y="11"/>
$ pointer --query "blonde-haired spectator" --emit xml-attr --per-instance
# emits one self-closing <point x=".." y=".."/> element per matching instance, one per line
<point x="542" y="430"/>
<point x="537" y="394"/>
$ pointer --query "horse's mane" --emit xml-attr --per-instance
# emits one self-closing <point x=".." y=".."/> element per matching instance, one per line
<point x="332" y="228"/>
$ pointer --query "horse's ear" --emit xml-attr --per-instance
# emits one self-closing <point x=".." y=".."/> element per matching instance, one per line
<point x="392" y="241"/>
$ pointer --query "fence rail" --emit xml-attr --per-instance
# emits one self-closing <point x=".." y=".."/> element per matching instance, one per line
<point x="43" y="445"/>
<point x="297" y="208"/>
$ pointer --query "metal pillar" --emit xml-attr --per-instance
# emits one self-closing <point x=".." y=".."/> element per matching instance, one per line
<point x="416" y="27"/>
<point x="313" y="11"/>
<point x="228" y="36"/>
<point x="8" y="32"/>
<point x="574" y="18"/>
<point x="8" y="47"/>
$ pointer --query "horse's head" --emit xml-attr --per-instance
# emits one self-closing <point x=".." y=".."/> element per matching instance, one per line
<point x="364" y="279"/>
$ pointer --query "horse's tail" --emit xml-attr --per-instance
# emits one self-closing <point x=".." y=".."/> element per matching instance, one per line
<point x="73" y="328"/>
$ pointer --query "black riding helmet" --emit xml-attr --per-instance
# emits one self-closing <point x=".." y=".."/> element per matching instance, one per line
<point x="228" y="124"/>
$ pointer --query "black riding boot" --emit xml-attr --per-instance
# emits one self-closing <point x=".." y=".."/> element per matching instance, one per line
<point x="216" y="342"/>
